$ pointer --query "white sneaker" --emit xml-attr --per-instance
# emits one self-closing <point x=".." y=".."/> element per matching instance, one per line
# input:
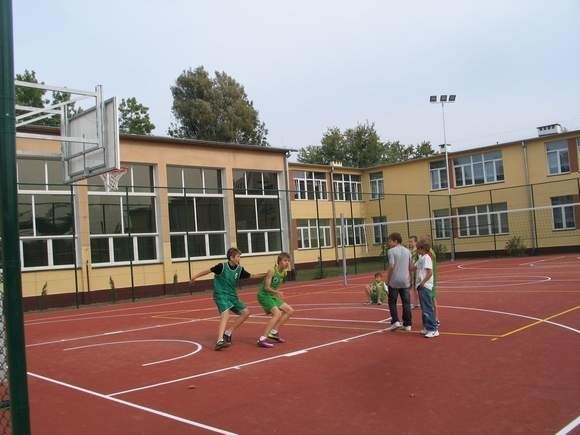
<point x="379" y="302"/>
<point x="395" y="326"/>
<point x="407" y="328"/>
<point x="432" y="334"/>
<point x="423" y="331"/>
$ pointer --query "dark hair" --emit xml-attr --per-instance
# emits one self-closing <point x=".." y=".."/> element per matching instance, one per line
<point x="232" y="252"/>
<point x="423" y="244"/>
<point x="396" y="237"/>
<point x="378" y="274"/>
<point x="413" y="238"/>
<point x="282" y="256"/>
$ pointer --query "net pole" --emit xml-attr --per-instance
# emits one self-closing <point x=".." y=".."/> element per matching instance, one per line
<point x="131" y="244"/>
<point x="342" y="243"/>
<point x="12" y="298"/>
<point x="497" y="217"/>
<point x="74" y="231"/>
<point x="318" y="232"/>
<point x="353" y="235"/>
<point x="381" y="234"/>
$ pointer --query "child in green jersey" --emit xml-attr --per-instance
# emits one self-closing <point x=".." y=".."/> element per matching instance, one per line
<point x="377" y="290"/>
<point x="270" y="298"/>
<point x="225" y="295"/>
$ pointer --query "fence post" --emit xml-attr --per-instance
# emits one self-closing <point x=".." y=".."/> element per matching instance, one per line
<point x="74" y="234"/>
<point x="318" y="232"/>
<point x="430" y="221"/>
<point x="13" y="318"/>
<point x="132" y="251"/>
<point x="451" y="220"/>
<point x="407" y="216"/>
<point x="384" y="257"/>
<point x="186" y="238"/>
<point x="353" y="234"/>
<point x="535" y="235"/>
<point x="497" y="223"/>
<point x="343" y="238"/>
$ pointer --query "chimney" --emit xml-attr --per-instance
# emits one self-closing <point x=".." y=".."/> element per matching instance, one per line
<point x="547" y="130"/>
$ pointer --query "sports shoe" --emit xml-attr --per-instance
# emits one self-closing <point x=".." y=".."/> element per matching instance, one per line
<point x="276" y="337"/>
<point x="264" y="343"/>
<point x="438" y="323"/>
<point x="379" y="303"/>
<point x="416" y="307"/>
<point x="227" y="339"/>
<point x="395" y="326"/>
<point x="407" y="328"/>
<point x="423" y="331"/>
<point x="220" y="345"/>
<point x="432" y="334"/>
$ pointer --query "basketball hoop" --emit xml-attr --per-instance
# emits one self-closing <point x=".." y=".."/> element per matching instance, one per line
<point x="111" y="178"/>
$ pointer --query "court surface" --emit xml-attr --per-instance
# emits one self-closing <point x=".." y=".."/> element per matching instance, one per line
<point x="507" y="361"/>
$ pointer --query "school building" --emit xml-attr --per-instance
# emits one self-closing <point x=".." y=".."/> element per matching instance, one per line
<point x="183" y="202"/>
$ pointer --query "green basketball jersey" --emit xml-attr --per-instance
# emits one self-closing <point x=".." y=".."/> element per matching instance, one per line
<point x="278" y="279"/>
<point x="226" y="281"/>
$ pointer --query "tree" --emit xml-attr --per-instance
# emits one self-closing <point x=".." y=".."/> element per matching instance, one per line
<point x="396" y="152"/>
<point x="134" y="117"/>
<point x="214" y="109"/>
<point x="424" y="149"/>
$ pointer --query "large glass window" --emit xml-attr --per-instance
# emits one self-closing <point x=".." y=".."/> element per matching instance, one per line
<point x="479" y="169"/>
<point x="257" y="210"/>
<point x="442" y="224"/>
<point x="483" y="220"/>
<point x="355" y="232"/>
<point x="377" y="185"/>
<point x="563" y="212"/>
<point x="558" y="157"/>
<point x="196" y="212"/>
<point x="438" y="171"/>
<point x="308" y="184"/>
<point x="311" y="235"/>
<point x="123" y="223"/>
<point x="346" y="187"/>
<point x="45" y="215"/>
<point x="380" y="229"/>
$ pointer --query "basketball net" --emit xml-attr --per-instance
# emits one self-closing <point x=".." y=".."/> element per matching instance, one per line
<point x="111" y="178"/>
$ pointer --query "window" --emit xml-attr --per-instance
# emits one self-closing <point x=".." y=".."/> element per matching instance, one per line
<point x="347" y="187"/>
<point x="354" y="236"/>
<point x="442" y="224"/>
<point x="483" y="220"/>
<point x="312" y="236"/>
<point x="479" y="169"/>
<point x="377" y="185"/>
<point x="307" y="184"/>
<point x="45" y="215"/>
<point x="558" y="158"/>
<point x="257" y="209"/>
<point x="123" y="223"/>
<point x="563" y="213"/>
<point x="380" y="230"/>
<point x="196" y="213"/>
<point x="438" y="171"/>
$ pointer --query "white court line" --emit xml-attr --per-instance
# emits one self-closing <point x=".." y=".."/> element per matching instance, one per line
<point x="514" y="315"/>
<point x="239" y="366"/>
<point x="134" y="405"/>
<point x="197" y="345"/>
<point x="569" y="427"/>
<point x="541" y="261"/>
<point x="145" y="328"/>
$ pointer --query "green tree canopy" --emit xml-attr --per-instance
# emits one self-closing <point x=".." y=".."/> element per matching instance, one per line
<point x="360" y="147"/>
<point x="134" y="117"/>
<point x="214" y="109"/>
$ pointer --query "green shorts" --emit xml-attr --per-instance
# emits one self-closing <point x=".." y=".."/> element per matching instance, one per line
<point x="226" y="301"/>
<point x="269" y="301"/>
<point x="374" y="296"/>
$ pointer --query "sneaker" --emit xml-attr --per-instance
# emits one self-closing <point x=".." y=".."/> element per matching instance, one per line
<point x="432" y="334"/>
<point x="276" y="337"/>
<point x="395" y="326"/>
<point x="412" y="306"/>
<point x="438" y="323"/>
<point x="379" y="303"/>
<point x="227" y="339"/>
<point x="407" y="328"/>
<point x="264" y="343"/>
<point x="416" y="307"/>
<point x="423" y="331"/>
<point x="220" y="345"/>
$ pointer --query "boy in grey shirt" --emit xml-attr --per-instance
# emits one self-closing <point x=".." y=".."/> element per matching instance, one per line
<point x="399" y="280"/>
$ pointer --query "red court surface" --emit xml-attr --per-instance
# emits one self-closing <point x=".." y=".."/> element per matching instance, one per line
<point x="507" y="361"/>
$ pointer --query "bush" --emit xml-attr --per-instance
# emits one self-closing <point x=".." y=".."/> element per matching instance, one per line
<point x="440" y="252"/>
<point x="514" y="247"/>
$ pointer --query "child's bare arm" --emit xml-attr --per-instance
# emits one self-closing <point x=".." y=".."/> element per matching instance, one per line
<point x="268" y="285"/>
<point x="200" y="274"/>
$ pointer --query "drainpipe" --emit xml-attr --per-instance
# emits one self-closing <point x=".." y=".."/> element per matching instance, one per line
<point x="530" y="195"/>
<point x="289" y="217"/>
<point x="331" y="194"/>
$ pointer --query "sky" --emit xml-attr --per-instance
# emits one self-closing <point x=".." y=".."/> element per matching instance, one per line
<point x="310" y="65"/>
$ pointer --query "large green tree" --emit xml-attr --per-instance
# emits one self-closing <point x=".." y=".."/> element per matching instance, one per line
<point x="134" y="117"/>
<point x="361" y="147"/>
<point x="214" y="108"/>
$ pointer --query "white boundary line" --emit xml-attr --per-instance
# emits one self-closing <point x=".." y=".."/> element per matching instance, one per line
<point x="134" y="405"/>
<point x="569" y="427"/>
<point x="111" y="343"/>
<point x="239" y="366"/>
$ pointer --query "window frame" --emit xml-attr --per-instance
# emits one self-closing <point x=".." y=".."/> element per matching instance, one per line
<point x="442" y="221"/>
<point x="476" y="163"/>
<point x="440" y="173"/>
<point x="319" y="186"/>
<point x="479" y="217"/>
<point x="377" y="184"/>
<point x="340" y="181"/>
<point x="380" y="228"/>
<point x="562" y="208"/>
<point x="359" y="229"/>
<point x="322" y="229"/>
<point x="558" y="152"/>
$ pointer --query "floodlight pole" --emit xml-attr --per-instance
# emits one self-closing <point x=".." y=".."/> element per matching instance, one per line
<point x="12" y="286"/>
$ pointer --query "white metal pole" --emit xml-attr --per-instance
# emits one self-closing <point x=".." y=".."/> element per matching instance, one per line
<point x="448" y="170"/>
<point x="343" y="239"/>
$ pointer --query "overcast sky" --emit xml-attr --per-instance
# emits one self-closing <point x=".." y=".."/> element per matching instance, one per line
<point x="310" y="65"/>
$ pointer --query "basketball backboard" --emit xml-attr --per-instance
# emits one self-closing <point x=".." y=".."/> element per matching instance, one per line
<point x="89" y="137"/>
